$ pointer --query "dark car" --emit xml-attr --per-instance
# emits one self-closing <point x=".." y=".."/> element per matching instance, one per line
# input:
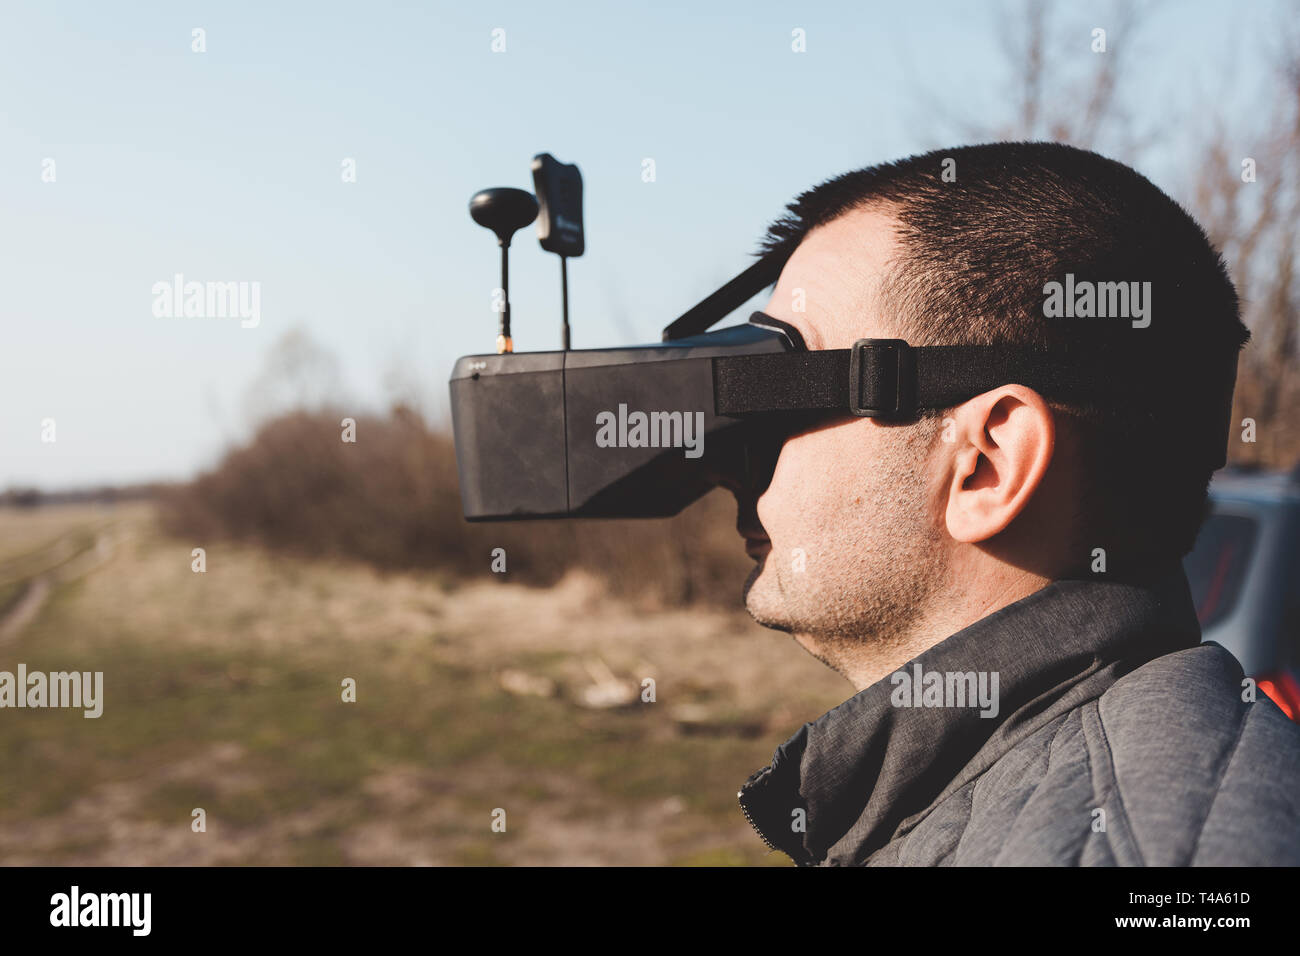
<point x="1245" y="577"/>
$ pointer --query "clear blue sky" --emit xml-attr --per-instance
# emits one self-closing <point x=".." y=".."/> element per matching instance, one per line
<point x="225" y="165"/>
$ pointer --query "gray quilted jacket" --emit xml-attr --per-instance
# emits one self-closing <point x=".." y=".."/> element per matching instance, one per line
<point x="1084" y="725"/>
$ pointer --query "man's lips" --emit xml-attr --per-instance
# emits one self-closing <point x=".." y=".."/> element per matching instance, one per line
<point x="757" y="542"/>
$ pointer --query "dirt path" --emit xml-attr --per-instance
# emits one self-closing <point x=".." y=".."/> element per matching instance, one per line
<point x="26" y="608"/>
<point x="59" y="562"/>
<point x="473" y="696"/>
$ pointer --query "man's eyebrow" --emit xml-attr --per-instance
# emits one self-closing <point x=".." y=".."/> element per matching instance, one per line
<point x="812" y="336"/>
<point x="815" y="340"/>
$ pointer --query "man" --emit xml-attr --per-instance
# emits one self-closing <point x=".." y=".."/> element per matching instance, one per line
<point x="1001" y="580"/>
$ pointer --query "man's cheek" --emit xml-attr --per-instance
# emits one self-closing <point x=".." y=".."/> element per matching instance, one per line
<point x="803" y="503"/>
<point x="779" y="501"/>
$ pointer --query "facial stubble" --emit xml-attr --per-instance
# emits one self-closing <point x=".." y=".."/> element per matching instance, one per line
<point x="873" y="566"/>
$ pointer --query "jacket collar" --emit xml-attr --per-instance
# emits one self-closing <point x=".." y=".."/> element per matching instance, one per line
<point x="873" y="766"/>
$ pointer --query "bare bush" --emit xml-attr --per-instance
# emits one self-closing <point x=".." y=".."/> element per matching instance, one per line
<point x="392" y="499"/>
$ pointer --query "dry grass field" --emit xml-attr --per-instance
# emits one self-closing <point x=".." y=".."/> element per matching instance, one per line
<point x="223" y="691"/>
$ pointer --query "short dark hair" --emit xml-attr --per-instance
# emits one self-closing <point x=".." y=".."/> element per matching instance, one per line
<point x="984" y="228"/>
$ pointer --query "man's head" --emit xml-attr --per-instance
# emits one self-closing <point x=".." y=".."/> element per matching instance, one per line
<point x="883" y="536"/>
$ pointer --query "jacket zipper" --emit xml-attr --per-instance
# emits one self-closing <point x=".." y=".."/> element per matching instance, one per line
<point x="740" y="797"/>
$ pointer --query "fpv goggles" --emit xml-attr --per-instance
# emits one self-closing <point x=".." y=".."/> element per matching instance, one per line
<point x="642" y="432"/>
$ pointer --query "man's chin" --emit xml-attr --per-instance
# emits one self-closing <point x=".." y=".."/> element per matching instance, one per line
<point x="762" y="598"/>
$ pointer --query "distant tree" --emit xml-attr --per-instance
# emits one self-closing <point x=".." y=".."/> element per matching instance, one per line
<point x="1062" y="92"/>
<point x="298" y="374"/>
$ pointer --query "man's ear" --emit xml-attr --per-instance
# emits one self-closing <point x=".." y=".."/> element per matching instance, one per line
<point x="1002" y="447"/>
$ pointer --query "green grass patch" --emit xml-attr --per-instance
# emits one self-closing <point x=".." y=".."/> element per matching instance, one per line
<point x="168" y="707"/>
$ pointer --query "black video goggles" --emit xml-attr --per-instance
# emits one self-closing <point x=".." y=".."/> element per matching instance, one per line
<point x="644" y="431"/>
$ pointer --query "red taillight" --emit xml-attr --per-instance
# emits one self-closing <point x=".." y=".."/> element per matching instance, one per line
<point x="1284" y="691"/>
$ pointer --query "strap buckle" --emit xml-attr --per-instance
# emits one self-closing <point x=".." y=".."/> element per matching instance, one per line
<point x="882" y="379"/>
